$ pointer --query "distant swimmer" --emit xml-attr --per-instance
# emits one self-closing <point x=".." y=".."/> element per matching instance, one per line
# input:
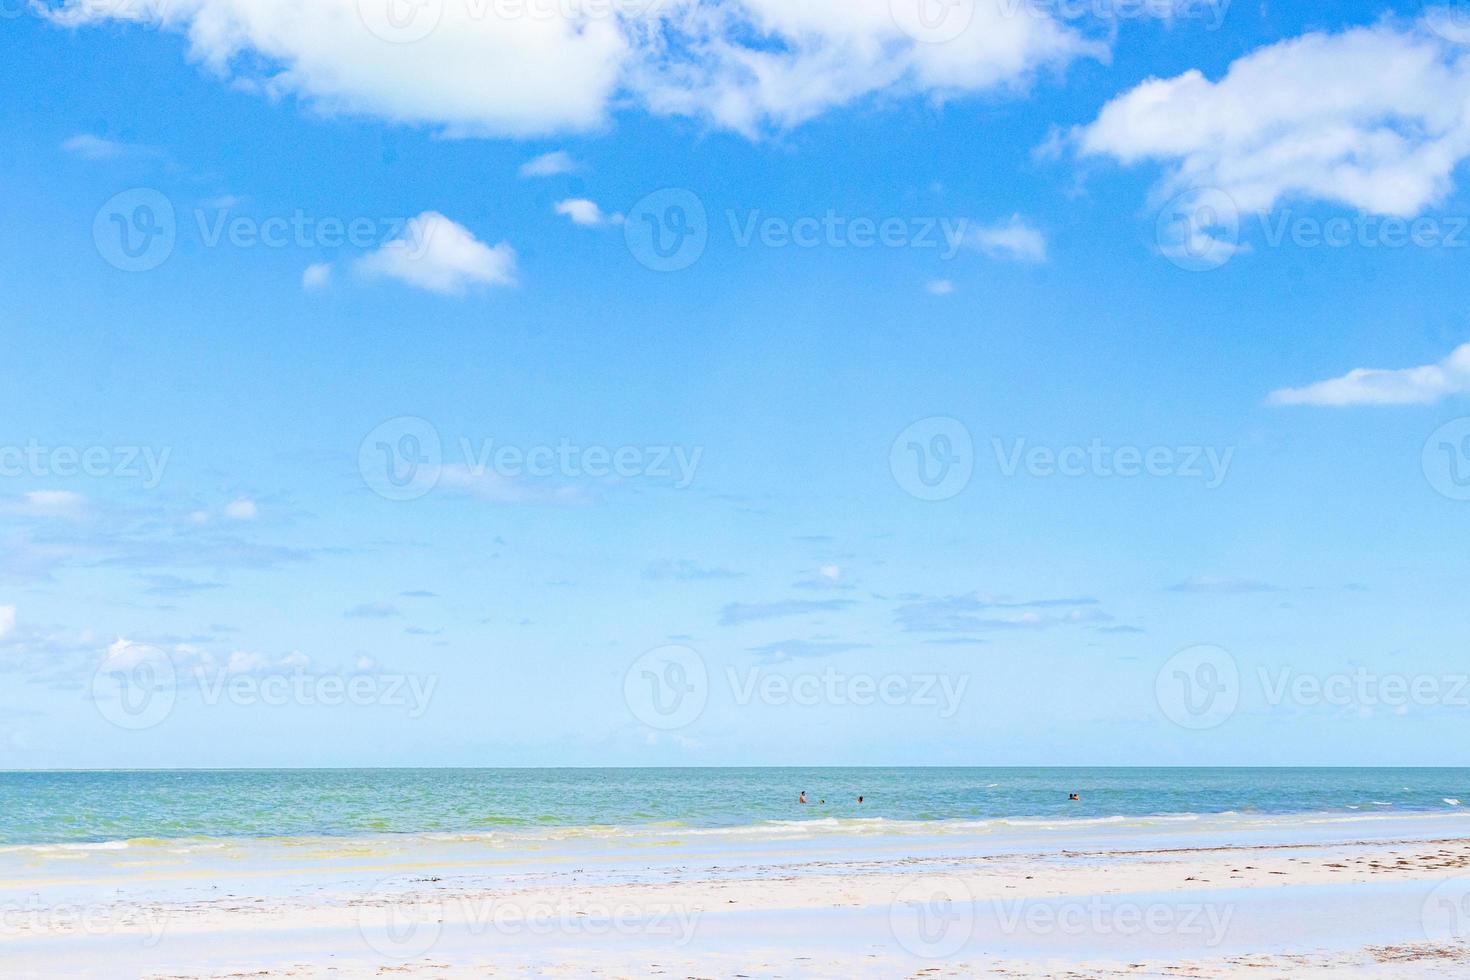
<point x="860" y="799"/>
<point x="802" y="798"/>
<point x="1074" y="796"/>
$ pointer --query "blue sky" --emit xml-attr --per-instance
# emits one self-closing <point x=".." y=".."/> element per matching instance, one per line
<point x="1170" y="238"/>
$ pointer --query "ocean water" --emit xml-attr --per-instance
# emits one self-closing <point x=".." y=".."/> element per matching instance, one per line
<point x="98" y="808"/>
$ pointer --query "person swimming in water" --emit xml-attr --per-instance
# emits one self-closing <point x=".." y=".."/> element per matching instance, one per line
<point x="1074" y="796"/>
<point x="860" y="799"/>
<point x="802" y="798"/>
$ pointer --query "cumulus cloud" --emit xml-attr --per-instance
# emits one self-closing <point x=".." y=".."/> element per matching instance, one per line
<point x="1372" y="118"/>
<point x="1011" y="239"/>
<point x="316" y="276"/>
<point x="550" y="165"/>
<point x="584" y="212"/>
<point x="436" y="254"/>
<point x="1381" y="386"/>
<point x="242" y="509"/>
<point x="747" y="65"/>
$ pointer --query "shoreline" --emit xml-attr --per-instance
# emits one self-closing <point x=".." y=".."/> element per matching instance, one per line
<point x="1216" y="911"/>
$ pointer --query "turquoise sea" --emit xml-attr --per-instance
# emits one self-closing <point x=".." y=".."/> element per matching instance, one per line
<point x="38" y="808"/>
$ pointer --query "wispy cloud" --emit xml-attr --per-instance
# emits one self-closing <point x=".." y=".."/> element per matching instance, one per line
<point x="684" y="570"/>
<point x="1386" y="386"/>
<point x="975" y="612"/>
<point x="550" y="165"/>
<point x="96" y="148"/>
<point x="782" y="650"/>
<point x="1011" y="239"/>
<point x="1222" y="585"/>
<point x="747" y="612"/>
<point x="373" y="610"/>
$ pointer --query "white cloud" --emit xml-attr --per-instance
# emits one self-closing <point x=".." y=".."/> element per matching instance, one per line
<point x="748" y="65"/>
<point x="46" y="503"/>
<point x="1012" y="239"/>
<point x="550" y="165"/>
<point x="1373" y="118"/>
<point x="436" y="254"/>
<point x="242" y="509"/>
<point x="939" y="287"/>
<point x="7" y="619"/>
<point x="488" y="485"/>
<point x="585" y="212"/>
<point x="317" y="276"/>
<point x="90" y="147"/>
<point x="1378" y="386"/>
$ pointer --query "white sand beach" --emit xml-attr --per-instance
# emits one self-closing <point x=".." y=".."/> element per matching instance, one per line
<point x="1379" y="908"/>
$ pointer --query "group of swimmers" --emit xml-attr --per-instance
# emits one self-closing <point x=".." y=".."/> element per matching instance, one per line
<point x="1073" y="798"/>
<point x="802" y="799"/>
